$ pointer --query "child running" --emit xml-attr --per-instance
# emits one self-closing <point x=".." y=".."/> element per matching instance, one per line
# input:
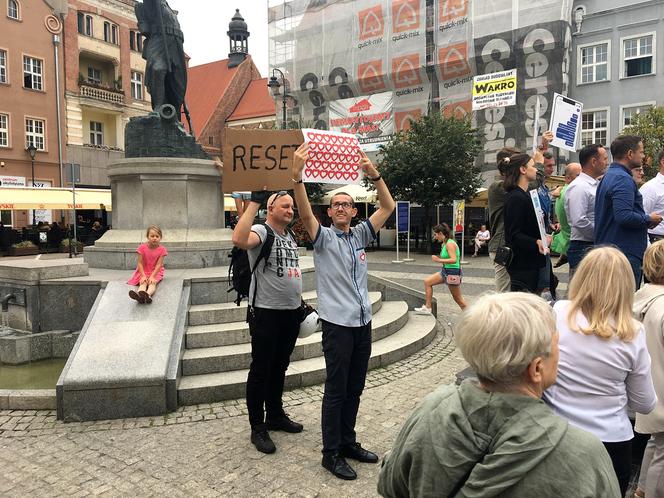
<point x="150" y="269"/>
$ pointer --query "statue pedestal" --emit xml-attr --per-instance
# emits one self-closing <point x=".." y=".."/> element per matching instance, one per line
<point x="180" y="195"/>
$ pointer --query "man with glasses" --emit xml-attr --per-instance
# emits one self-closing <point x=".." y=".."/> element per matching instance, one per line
<point x="345" y="310"/>
<point x="274" y="298"/>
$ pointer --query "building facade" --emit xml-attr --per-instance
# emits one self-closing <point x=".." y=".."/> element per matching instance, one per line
<point x="618" y="65"/>
<point x="104" y="83"/>
<point x="28" y="111"/>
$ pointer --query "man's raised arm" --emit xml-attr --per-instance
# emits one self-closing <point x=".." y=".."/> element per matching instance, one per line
<point x="301" y="199"/>
<point x="387" y="204"/>
<point x="243" y="237"/>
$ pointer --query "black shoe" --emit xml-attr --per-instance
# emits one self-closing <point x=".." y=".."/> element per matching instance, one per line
<point x="562" y="260"/>
<point x="356" y="452"/>
<point x="284" y="424"/>
<point x="338" y="465"/>
<point x="260" y="438"/>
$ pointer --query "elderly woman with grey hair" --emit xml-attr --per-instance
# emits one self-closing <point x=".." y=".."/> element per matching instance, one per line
<point x="495" y="437"/>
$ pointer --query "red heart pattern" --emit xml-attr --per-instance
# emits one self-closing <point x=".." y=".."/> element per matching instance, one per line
<point x="333" y="157"/>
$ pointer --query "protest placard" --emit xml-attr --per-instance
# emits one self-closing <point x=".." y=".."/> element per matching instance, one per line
<point x="333" y="157"/>
<point x="539" y="212"/>
<point x="256" y="158"/>
<point x="565" y="122"/>
<point x="494" y="90"/>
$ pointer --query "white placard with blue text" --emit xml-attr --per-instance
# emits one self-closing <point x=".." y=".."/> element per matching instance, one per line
<point x="565" y="122"/>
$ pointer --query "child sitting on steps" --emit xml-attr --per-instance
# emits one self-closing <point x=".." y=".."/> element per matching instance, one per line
<point x="150" y="269"/>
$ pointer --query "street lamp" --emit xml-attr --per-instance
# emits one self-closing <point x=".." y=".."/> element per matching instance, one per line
<point x="32" y="150"/>
<point x="274" y="86"/>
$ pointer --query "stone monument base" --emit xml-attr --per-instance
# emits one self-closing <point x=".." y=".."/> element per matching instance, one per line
<point x="187" y="248"/>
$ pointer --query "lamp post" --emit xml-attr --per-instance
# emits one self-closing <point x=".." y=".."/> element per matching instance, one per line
<point x="274" y="86"/>
<point x="32" y="150"/>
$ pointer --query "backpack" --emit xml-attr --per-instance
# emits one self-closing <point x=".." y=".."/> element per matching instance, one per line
<point x="239" y="271"/>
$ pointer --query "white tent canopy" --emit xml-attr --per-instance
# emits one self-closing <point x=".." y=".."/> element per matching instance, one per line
<point x="359" y="193"/>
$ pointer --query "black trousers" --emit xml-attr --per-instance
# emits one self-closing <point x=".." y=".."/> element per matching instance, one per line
<point x="347" y="351"/>
<point x="621" y="457"/>
<point x="524" y="280"/>
<point x="273" y="336"/>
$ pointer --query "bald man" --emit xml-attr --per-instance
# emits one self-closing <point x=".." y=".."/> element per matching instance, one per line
<point x="560" y="242"/>
<point x="273" y="314"/>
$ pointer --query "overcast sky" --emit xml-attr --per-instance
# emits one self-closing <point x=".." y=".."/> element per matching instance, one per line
<point x="205" y="23"/>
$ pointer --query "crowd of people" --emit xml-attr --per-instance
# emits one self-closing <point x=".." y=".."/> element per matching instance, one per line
<point x="557" y="380"/>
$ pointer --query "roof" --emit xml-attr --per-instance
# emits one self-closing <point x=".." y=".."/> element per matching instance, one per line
<point x="206" y="85"/>
<point x="256" y="102"/>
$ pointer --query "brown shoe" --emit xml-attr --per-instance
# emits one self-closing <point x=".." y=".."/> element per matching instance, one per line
<point x="145" y="297"/>
<point x="136" y="296"/>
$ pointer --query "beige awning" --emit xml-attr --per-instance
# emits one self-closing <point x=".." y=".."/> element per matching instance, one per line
<point x="54" y="198"/>
<point x="357" y="192"/>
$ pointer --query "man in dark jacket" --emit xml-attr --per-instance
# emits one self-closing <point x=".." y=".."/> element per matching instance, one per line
<point x="619" y="216"/>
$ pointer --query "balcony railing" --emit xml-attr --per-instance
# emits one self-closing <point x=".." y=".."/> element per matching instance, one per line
<point x="111" y="96"/>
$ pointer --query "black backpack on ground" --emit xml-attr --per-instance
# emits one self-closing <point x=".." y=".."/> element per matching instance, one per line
<point x="240" y="273"/>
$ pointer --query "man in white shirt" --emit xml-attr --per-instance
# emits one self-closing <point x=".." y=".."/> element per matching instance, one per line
<point x="653" y="199"/>
<point x="481" y="238"/>
<point x="580" y="203"/>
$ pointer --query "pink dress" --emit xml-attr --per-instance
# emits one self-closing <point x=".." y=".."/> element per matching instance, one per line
<point x="150" y="258"/>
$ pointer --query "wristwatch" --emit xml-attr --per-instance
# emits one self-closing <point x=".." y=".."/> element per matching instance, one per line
<point x="375" y="179"/>
<point x="297" y="181"/>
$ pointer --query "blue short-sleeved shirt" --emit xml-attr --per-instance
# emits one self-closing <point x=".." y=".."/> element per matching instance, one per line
<point x="341" y="274"/>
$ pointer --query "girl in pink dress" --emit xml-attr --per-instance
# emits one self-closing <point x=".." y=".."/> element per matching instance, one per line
<point x="150" y="269"/>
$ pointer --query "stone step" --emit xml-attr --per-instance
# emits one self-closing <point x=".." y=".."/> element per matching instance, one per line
<point x="226" y="333"/>
<point x="391" y="317"/>
<point x="208" y="388"/>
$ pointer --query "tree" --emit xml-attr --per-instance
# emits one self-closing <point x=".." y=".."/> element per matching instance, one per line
<point x="649" y="125"/>
<point x="433" y="163"/>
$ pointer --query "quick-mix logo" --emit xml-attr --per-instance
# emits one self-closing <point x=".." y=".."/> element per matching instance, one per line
<point x="453" y="62"/>
<point x="371" y="77"/>
<point x="452" y="13"/>
<point x="405" y="19"/>
<point x="372" y="26"/>
<point x="406" y="71"/>
<point x="458" y="110"/>
<point x="402" y="118"/>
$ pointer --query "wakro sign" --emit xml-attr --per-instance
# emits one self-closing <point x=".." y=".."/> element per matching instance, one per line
<point x="369" y="118"/>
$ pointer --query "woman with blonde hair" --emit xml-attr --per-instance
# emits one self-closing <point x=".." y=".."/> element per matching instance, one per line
<point x="604" y="364"/>
<point x="649" y="308"/>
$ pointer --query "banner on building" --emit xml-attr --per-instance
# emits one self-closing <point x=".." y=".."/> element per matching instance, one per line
<point x="565" y="122"/>
<point x="369" y="118"/>
<point x="333" y="157"/>
<point x="12" y="181"/>
<point x="494" y="90"/>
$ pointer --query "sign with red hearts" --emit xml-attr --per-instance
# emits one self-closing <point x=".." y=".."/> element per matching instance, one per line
<point x="333" y="157"/>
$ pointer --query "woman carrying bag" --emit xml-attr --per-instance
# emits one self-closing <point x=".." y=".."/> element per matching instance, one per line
<point x="450" y="273"/>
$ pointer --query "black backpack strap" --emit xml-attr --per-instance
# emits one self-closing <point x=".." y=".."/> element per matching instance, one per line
<point x="264" y="254"/>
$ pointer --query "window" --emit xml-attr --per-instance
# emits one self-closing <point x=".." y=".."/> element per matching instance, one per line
<point x="85" y="24"/>
<point x="111" y="33"/>
<point x="136" y="85"/>
<point x="32" y="73"/>
<point x="4" y="130"/>
<point x="3" y="66"/>
<point x="94" y="75"/>
<point x="628" y="113"/>
<point x="34" y="133"/>
<point x="638" y="56"/>
<point x="96" y="133"/>
<point x="136" y="41"/>
<point x="594" y="63"/>
<point x="6" y="217"/>
<point x="594" y="127"/>
<point x="13" y="10"/>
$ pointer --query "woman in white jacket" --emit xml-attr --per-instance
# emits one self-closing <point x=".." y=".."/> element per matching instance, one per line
<point x="649" y="308"/>
<point x="604" y="364"/>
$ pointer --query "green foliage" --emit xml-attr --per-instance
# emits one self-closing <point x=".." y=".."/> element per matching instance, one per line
<point x="649" y="125"/>
<point x="25" y="243"/>
<point x="433" y="162"/>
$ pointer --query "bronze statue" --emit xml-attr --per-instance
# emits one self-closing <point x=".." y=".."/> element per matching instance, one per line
<point x="166" y="69"/>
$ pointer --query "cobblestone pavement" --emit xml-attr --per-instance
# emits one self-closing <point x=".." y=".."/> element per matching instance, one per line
<point x="204" y="450"/>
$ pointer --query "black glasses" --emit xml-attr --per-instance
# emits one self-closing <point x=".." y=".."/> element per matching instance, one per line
<point x="343" y="205"/>
<point x="281" y="193"/>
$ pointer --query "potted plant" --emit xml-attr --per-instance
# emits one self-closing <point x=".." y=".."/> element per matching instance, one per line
<point x="25" y="248"/>
<point x="64" y="246"/>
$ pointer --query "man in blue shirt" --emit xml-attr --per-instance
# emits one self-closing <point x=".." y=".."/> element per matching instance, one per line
<point x="619" y="216"/>
<point x="345" y="310"/>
